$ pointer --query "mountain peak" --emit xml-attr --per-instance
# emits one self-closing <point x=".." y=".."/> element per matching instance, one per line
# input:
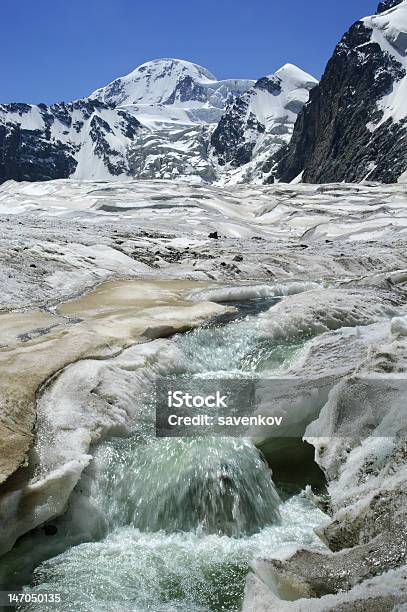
<point x="171" y="82"/>
<point x="260" y="122"/>
<point x="165" y="66"/>
<point x="294" y="74"/>
<point x="289" y="68"/>
<point x="289" y="77"/>
<point x="156" y="82"/>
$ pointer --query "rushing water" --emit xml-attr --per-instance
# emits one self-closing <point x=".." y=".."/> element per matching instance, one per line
<point x="172" y="524"/>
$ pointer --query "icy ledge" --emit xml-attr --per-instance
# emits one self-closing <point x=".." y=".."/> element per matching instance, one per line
<point x="359" y="440"/>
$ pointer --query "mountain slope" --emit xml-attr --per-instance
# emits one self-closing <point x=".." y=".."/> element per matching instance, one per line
<point x="260" y="122"/>
<point x="83" y="139"/>
<point x="355" y="125"/>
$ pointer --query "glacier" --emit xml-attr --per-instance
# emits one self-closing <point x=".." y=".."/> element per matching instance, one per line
<point x="95" y="283"/>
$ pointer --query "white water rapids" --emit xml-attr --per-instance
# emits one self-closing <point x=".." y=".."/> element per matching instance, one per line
<point x="171" y="524"/>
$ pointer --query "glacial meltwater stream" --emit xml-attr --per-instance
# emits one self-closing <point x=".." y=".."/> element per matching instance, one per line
<point x="171" y="524"/>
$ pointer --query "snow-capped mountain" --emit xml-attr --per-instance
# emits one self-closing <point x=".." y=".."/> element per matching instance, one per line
<point x="355" y="126"/>
<point x="259" y="122"/>
<point x="83" y="139"/>
<point x="167" y="119"/>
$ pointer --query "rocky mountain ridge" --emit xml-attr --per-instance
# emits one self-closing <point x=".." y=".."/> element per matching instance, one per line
<point x="83" y="139"/>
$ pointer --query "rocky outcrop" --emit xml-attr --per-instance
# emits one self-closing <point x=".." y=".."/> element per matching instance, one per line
<point x="228" y="140"/>
<point x="29" y="154"/>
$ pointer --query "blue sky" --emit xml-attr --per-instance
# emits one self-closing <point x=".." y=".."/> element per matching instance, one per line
<point x="53" y="50"/>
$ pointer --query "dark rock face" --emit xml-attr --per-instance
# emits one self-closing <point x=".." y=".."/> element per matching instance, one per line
<point x="229" y="139"/>
<point x="270" y="84"/>
<point x="187" y="89"/>
<point x="28" y="155"/>
<point x="130" y="124"/>
<point x="332" y="141"/>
